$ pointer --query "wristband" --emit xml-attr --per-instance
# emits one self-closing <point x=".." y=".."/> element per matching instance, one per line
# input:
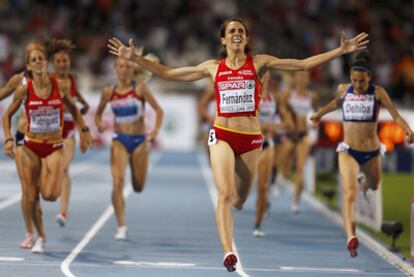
<point x="85" y="129"/>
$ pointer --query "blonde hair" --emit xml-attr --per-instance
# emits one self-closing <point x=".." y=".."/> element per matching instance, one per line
<point x="141" y="74"/>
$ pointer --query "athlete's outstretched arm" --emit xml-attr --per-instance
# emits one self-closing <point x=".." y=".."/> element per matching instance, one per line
<point x="188" y="73"/>
<point x="386" y="101"/>
<point x="331" y="106"/>
<point x="11" y="85"/>
<point x="18" y="98"/>
<point x="356" y="43"/>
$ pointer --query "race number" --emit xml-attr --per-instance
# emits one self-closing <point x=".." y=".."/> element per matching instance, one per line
<point x="212" y="137"/>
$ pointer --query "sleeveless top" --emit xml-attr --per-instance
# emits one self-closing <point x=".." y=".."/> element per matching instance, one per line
<point x="128" y="107"/>
<point x="238" y="91"/>
<point x="268" y="112"/>
<point x="300" y="104"/>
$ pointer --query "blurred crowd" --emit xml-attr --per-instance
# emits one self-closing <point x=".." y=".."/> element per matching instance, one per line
<point x="186" y="32"/>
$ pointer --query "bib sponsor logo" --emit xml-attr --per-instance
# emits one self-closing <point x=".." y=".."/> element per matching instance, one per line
<point x="222" y="73"/>
<point x="33" y="103"/>
<point x="245" y="72"/>
<point x="54" y="102"/>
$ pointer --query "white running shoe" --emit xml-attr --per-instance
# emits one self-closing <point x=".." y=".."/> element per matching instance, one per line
<point x="258" y="233"/>
<point x="38" y="247"/>
<point x="28" y="242"/>
<point x="61" y="220"/>
<point x="121" y="233"/>
<point x="295" y="208"/>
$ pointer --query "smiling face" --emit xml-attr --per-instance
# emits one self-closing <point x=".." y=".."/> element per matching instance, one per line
<point x="235" y="37"/>
<point x="360" y="80"/>
<point x="61" y="62"/>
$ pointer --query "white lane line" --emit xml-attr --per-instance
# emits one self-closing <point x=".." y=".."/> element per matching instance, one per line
<point x="364" y="237"/>
<point x="213" y="196"/>
<point x="76" y="169"/>
<point x="319" y="269"/>
<point x="11" y="259"/>
<point x="10" y="201"/>
<point x="95" y="228"/>
<point x="156" y="265"/>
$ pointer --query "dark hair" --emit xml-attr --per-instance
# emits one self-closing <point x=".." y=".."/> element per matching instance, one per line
<point x="362" y="62"/>
<point x="54" y="46"/>
<point x="223" y="26"/>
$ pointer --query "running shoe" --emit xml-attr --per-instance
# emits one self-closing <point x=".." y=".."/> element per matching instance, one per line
<point x="121" y="233"/>
<point x="258" y="233"/>
<point x="295" y="208"/>
<point x="352" y="246"/>
<point x="230" y="261"/>
<point x="38" y="247"/>
<point x="61" y="220"/>
<point x="28" y="242"/>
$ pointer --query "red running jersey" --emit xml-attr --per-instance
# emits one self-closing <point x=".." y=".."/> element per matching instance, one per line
<point x="238" y="91"/>
<point x="44" y="115"/>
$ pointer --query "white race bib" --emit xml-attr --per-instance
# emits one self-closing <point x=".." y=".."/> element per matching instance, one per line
<point x="44" y="120"/>
<point x="358" y="107"/>
<point x="237" y="96"/>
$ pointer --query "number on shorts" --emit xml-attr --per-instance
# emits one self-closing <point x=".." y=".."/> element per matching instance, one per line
<point x="212" y="137"/>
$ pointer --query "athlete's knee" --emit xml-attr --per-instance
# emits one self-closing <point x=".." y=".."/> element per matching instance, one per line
<point x="138" y="186"/>
<point x="226" y="196"/>
<point x="50" y="196"/>
<point x="350" y="194"/>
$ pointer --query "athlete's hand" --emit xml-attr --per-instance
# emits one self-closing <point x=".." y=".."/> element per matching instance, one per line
<point x="8" y="148"/>
<point x="314" y="118"/>
<point x="117" y="48"/>
<point x="356" y="43"/>
<point x="152" y="135"/>
<point x="101" y="126"/>
<point x="86" y="140"/>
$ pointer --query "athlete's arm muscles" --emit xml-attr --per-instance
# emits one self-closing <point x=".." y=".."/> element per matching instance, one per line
<point x="331" y="106"/>
<point x="159" y="113"/>
<point x="10" y="86"/>
<point x="188" y="73"/>
<point x="385" y="100"/>
<point x="18" y="98"/>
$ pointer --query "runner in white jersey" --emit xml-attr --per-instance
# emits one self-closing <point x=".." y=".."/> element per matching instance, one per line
<point x="302" y="102"/>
